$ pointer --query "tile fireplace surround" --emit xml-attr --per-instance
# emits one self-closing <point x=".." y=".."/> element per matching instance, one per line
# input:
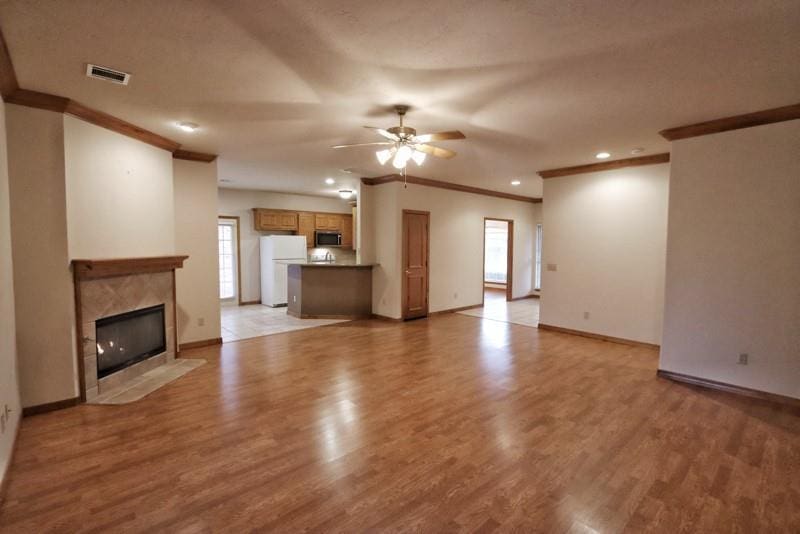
<point x="104" y="288"/>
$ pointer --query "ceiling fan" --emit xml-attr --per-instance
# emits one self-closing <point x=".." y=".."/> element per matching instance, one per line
<point x="404" y="144"/>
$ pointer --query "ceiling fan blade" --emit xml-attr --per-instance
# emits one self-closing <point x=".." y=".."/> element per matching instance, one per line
<point x="436" y="151"/>
<point x="441" y="136"/>
<point x="384" y="133"/>
<point x="380" y="143"/>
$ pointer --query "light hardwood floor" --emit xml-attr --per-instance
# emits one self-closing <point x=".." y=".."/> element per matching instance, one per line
<point x="448" y="424"/>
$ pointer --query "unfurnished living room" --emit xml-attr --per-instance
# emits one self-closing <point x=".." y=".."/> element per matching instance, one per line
<point x="371" y="266"/>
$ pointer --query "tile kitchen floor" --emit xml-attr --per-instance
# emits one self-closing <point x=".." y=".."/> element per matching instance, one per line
<point x="254" y="320"/>
<point x="495" y="307"/>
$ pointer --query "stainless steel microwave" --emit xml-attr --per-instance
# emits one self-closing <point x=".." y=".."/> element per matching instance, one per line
<point x="327" y="239"/>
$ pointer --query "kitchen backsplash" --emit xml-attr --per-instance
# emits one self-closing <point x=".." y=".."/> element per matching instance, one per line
<point x="341" y="254"/>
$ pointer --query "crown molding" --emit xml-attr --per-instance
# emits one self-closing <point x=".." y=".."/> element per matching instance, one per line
<point x="447" y="185"/>
<point x="35" y="99"/>
<point x="194" y="156"/>
<point x="8" y="77"/>
<point x="737" y="122"/>
<point x="606" y="165"/>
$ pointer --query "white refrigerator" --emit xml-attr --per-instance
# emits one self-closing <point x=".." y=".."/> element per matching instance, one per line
<point x="276" y="252"/>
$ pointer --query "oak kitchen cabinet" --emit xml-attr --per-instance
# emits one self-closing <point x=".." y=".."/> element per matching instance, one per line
<point x="274" y="219"/>
<point x="347" y="231"/>
<point x="305" y="226"/>
<point x="328" y="221"/>
<point x="306" y="223"/>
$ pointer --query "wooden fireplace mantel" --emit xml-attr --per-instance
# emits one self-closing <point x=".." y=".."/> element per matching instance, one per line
<point x="91" y="269"/>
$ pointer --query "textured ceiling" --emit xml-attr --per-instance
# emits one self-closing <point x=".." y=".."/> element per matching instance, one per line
<point x="533" y="85"/>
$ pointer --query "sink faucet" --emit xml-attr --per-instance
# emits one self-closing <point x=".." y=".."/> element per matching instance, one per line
<point x="330" y="258"/>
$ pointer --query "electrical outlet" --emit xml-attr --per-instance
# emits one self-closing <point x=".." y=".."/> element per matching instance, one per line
<point x="455" y="296"/>
<point x="743" y="357"/>
<point x="294" y="298"/>
<point x="585" y="315"/>
<point x="201" y="321"/>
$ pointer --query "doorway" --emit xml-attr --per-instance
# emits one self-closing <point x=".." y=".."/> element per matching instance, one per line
<point x="416" y="250"/>
<point x="229" y="251"/>
<point x="498" y="256"/>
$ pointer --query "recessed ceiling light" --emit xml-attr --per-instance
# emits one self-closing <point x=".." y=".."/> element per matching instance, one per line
<point x="330" y="181"/>
<point x="602" y="155"/>
<point x="188" y="126"/>
<point x="515" y="182"/>
<point x="345" y="193"/>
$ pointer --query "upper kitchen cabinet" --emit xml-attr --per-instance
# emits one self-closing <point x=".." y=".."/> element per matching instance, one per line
<point x="328" y="221"/>
<point x="266" y="220"/>
<point x="305" y="226"/>
<point x="347" y="231"/>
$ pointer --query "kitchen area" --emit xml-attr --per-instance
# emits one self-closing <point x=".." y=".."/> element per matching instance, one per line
<point x="307" y="272"/>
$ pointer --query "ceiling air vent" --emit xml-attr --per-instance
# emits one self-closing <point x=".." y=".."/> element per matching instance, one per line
<point x="109" y="75"/>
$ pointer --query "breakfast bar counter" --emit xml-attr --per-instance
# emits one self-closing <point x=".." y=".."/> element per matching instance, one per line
<point x="330" y="290"/>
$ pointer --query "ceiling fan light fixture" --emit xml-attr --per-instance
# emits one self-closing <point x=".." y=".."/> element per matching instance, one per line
<point x="402" y="156"/>
<point x="418" y="157"/>
<point x="383" y="156"/>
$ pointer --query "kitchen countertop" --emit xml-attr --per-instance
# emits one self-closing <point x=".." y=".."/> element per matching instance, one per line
<point x="326" y="264"/>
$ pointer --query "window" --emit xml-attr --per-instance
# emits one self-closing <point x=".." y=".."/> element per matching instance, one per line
<point x="227" y="259"/>
<point x="496" y="252"/>
<point x="537" y="283"/>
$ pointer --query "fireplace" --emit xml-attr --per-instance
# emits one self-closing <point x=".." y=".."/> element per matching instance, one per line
<point x="128" y="338"/>
<point x="125" y="319"/>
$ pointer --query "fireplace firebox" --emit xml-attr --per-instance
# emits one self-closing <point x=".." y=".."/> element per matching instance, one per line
<point x="129" y="338"/>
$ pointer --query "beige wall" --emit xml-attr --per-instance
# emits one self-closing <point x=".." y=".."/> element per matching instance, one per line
<point x="240" y="202"/>
<point x="382" y="215"/>
<point x="196" y="235"/>
<point x="456" y="243"/>
<point x="733" y="258"/>
<point x="9" y="384"/>
<point x="606" y="233"/>
<point x="44" y="303"/>
<point x="119" y="194"/>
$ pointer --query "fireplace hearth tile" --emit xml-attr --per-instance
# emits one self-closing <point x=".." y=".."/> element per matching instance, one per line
<point x="129" y="373"/>
<point x="89" y="339"/>
<point x="170" y="332"/>
<point x="149" y="382"/>
<point x="90" y="370"/>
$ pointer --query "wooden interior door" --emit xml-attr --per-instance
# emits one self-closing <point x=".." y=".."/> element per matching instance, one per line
<point x="415" y="263"/>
